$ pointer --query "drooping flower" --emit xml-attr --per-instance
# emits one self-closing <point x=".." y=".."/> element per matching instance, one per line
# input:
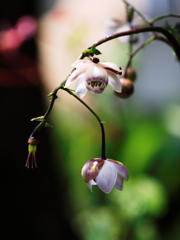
<point x="94" y="76"/>
<point x="106" y="174"/>
<point x="32" y="148"/>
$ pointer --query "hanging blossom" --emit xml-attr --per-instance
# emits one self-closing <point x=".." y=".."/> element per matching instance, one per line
<point x="94" y="76"/>
<point x="106" y="174"/>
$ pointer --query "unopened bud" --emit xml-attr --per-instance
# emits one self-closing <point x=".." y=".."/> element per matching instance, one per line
<point x="32" y="141"/>
<point x="131" y="74"/>
<point x="32" y="148"/>
<point x="127" y="88"/>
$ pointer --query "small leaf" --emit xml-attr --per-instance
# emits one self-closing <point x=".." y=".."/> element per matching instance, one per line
<point x="90" y="52"/>
<point x="95" y="51"/>
<point x="39" y="119"/>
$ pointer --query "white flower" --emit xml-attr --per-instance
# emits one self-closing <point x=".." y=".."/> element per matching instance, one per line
<point x="94" y="76"/>
<point x="105" y="174"/>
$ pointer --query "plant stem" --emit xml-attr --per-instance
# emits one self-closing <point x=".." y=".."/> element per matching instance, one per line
<point x="103" y="152"/>
<point x="163" y="17"/>
<point x="137" y="11"/>
<point x="132" y="54"/>
<point x="172" y="41"/>
<point x="53" y="96"/>
<point x="143" y="45"/>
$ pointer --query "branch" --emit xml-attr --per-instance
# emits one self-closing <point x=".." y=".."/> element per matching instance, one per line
<point x="172" y="41"/>
<point x="164" y="16"/>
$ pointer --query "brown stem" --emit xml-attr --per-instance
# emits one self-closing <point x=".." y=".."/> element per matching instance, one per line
<point x="173" y="42"/>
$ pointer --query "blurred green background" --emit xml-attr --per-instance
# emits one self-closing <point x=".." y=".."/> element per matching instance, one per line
<point x="146" y="138"/>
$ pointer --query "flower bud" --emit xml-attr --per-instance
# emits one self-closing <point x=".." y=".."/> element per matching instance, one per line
<point x="131" y="74"/>
<point x="127" y="88"/>
<point x="32" y="148"/>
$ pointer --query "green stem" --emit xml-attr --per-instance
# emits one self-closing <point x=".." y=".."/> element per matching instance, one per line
<point x="132" y="54"/>
<point x="137" y="11"/>
<point x="163" y="17"/>
<point x="53" y="96"/>
<point x="143" y="45"/>
<point x="103" y="152"/>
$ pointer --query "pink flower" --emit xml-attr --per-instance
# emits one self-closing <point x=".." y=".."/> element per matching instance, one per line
<point x="105" y="174"/>
<point x="94" y="76"/>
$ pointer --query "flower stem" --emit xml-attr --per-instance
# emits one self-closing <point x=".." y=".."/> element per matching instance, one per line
<point x="163" y="17"/>
<point x="172" y="41"/>
<point x="143" y="45"/>
<point x="103" y="150"/>
<point x="53" y="96"/>
<point x="137" y="11"/>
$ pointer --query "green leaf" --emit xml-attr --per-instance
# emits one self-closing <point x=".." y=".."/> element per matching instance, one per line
<point x="90" y="52"/>
<point x="38" y="119"/>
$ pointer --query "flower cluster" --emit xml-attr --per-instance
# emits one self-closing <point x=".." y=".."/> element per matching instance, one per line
<point x="105" y="174"/>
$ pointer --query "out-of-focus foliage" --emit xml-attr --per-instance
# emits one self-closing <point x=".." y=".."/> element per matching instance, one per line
<point x="148" y="144"/>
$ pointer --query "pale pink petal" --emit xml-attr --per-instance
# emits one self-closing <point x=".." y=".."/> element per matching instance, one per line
<point x="114" y="81"/>
<point x="75" y="74"/>
<point x="106" y="178"/>
<point x="80" y="66"/>
<point x="119" y="182"/>
<point x="96" y="71"/>
<point x="80" y="63"/>
<point x="91" y="169"/>
<point x="81" y="89"/>
<point x="90" y="184"/>
<point x="110" y="65"/>
<point x="120" y="168"/>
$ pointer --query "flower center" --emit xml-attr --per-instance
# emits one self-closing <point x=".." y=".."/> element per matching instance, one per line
<point x="96" y="84"/>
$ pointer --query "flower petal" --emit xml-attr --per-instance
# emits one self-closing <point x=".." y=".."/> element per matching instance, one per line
<point x="72" y="77"/>
<point x="96" y="71"/>
<point x="81" y="89"/>
<point x="80" y="66"/>
<point x="91" y="169"/>
<point x="106" y="178"/>
<point x="120" y="168"/>
<point x="119" y="182"/>
<point x="109" y="66"/>
<point x="80" y="63"/>
<point x="114" y="82"/>
<point x="90" y="184"/>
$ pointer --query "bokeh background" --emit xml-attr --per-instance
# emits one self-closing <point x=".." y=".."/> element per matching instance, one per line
<point x="39" y="40"/>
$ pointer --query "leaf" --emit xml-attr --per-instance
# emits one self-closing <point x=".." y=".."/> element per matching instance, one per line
<point x="39" y="119"/>
<point x="90" y="52"/>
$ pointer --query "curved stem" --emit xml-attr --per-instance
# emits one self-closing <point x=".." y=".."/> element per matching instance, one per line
<point x="103" y="150"/>
<point x="132" y="54"/>
<point x="163" y="17"/>
<point x="137" y="11"/>
<point x="143" y="45"/>
<point x="173" y="42"/>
